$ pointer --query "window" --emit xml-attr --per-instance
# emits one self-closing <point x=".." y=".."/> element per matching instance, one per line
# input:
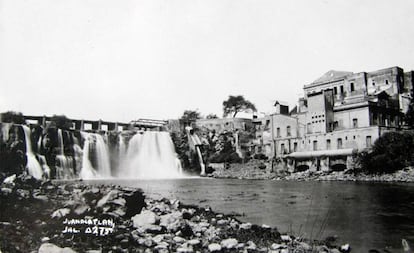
<point x="339" y="146"/>
<point x="373" y="83"/>
<point x="368" y="141"/>
<point x="342" y="89"/>
<point x="315" y="145"/>
<point x="282" y="148"/>
<point x="355" y="123"/>
<point x="288" y="131"/>
<point x="335" y="125"/>
<point x="328" y="144"/>
<point x="278" y="132"/>
<point x="335" y="90"/>
<point x="352" y="87"/>
<point x="295" y="146"/>
<point x="386" y="81"/>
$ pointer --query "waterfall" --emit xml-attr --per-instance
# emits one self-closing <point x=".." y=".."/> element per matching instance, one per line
<point x="64" y="165"/>
<point x="194" y="143"/>
<point x="95" y="162"/>
<point x="33" y="165"/>
<point x="151" y="155"/>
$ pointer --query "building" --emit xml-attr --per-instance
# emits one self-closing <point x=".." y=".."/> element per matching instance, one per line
<point x="341" y="113"/>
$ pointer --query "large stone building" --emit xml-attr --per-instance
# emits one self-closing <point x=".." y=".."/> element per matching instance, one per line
<point x="340" y="114"/>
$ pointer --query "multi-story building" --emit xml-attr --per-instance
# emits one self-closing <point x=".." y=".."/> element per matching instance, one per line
<point x="340" y="114"/>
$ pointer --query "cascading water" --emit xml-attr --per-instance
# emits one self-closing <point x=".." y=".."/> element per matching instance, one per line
<point x="33" y="165"/>
<point x="151" y="155"/>
<point x="95" y="163"/>
<point x="64" y="166"/>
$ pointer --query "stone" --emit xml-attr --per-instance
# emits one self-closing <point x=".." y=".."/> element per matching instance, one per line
<point x="345" y="248"/>
<point x="45" y="239"/>
<point x="119" y="201"/>
<point x="251" y="245"/>
<point x="144" y="219"/>
<point x="81" y="209"/>
<point x="305" y="246"/>
<point x="222" y="222"/>
<point x="285" y="238"/>
<point x="178" y="239"/>
<point x="185" y="249"/>
<point x="277" y="246"/>
<point x="10" y="179"/>
<point x="158" y="238"/>
<point x="245" y="226"/>
<point x="213" y="247"/>
<point x="60" y="213"/>
<point x="6" y="190"/>
<point x="52" y="248"/>
<point x="194" y="242"/>
<point x="229" y="243"/>
<point x="104" y="199"/>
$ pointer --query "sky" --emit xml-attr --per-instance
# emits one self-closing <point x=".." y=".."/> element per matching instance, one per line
<point x="130" y="59"/>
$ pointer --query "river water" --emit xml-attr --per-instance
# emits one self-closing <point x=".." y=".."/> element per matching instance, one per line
<point x="366" y="215"/>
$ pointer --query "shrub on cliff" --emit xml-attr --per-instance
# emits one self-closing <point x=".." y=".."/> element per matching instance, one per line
<point x="12" y="117"/>
<point x="61" y="121"/>
<point x="391" y="152"/>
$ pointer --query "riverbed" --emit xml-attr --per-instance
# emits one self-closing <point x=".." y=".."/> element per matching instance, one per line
<point x="368" y="215"/>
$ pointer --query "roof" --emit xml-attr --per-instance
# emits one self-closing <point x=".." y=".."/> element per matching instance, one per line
<point x="319" y="153"/>
<point x="332" y="75"/>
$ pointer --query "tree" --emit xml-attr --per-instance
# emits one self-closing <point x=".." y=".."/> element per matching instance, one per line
<point x="61" y="121"/>
<point x="236" y="104"/>
<point x="211" y="116"/>
<point x="409" y="116"/>
<point x="189" y="116"/>
<point x="12" y="117"/>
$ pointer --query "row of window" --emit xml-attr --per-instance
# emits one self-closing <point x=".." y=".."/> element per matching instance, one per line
<point x="288" y="133"/>
<point x="339" y="144"/>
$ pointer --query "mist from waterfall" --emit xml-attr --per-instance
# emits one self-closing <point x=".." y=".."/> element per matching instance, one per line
<point x="150" y="155"/>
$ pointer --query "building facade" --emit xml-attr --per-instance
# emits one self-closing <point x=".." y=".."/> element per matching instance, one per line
<point x="341" y="113"/>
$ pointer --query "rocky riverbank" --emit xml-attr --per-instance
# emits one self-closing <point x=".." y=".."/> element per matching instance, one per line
<point x="262" y="170"/>
<point x="38" y="216"/>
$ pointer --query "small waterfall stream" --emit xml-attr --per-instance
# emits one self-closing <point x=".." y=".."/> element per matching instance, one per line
<point x="33" y="165"/>
<point x="95" y="163"/>
<point x="64" y="166"/>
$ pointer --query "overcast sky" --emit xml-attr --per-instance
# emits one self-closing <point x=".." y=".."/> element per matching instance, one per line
<point x="130" y="59"/>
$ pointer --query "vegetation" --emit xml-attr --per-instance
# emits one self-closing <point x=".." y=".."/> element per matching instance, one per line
<point x="12" y="117"/>
<point x="211" y="116"/>
<point x="236" y="104"/>
<point x="391" y="152"/>
<point x="189" y="117"/>
<point x="61" y="121"/>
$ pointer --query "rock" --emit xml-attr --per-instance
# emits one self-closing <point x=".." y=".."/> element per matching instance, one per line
<point x="6" y="190"/>
<point x="51" y="248"/>
<point x="10" y="179"/>
<point x="214" y="247"/>
<point x="162" y="245"/>
<point x="285" y="238"/>
<point x="222" y="222"/>
<point x="245" y="226"/>
<point x="144" y="219"/>
<point x="229" y="243"/>
<point x="45" y="239"/>
<point x="40" y="197"/>
<point x="178" y="239"/>
<point x="185" y="249"/>
<point x="305" y="246"/>
<point x="194" y="242"/>
<point x="104" y="199"/>
<point x="60" y="213"/>
<point x="277" y="246"/>
<point x="94" y="251"/>
<point x="81" y="209"/>
<point x="345" y="248"/>
<point x="334" y="251"/>
<point x="158" y="238"/>
<point x="119" y="201"/>
<point x="251" y="245"/>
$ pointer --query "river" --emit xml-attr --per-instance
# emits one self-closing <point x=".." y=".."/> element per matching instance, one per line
<point x="366" y="215"/>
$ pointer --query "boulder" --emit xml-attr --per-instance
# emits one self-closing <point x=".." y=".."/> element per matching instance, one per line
<point x="52" y="248"/>
<point x="144" y="219"/>
<point x="229" y="243"/>
<point x="214" y="247"/>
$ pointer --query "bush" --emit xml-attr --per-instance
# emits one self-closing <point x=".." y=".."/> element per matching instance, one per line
<point x="12" y="117"/>
<point x="391" y="152"/>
